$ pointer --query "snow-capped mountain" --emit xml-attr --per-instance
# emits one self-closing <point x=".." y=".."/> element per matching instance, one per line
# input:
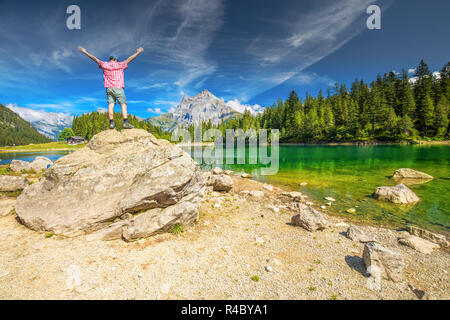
<point x="203" y="107"/>
<point x="49" y="124"/>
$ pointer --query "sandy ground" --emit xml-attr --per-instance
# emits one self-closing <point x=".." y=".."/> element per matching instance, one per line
<point x="213" y="259"/>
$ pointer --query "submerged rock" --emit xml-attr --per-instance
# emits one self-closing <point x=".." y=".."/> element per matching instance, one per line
<point x="397" y="194"/>
<point x="407" y="173"/>
<point x="309" y="219"/>
<point x="12" y="183"/>
<point x="122" y="184"/>
<point x="383" y="262"/>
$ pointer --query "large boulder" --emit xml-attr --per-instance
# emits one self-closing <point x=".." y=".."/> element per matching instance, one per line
<point x="12" y="183"/>
<point x="40" y="164"/>
<point x="19" y="165"/>
<point x="383" y="262"/>
<point x="122" y="184"/>
<point x="407" y="173"/>
<point x="397" y="194"/>
<point x="309" y="219"/>
<point x="220" y="182"/>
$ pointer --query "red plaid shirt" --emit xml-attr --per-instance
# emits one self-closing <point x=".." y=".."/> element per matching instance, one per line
<point x="113" y="73"/>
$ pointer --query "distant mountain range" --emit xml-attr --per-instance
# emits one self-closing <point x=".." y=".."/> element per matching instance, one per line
<point x="16" y="131"/>
<point x="203" y="107"/>
<point x="49" y="124"/>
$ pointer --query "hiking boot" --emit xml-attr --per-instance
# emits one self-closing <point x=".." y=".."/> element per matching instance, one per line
<point x="127" y="125"/>
<point x="112" y="125"/>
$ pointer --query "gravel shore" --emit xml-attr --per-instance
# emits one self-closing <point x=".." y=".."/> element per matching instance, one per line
<point x="241" y="248"/>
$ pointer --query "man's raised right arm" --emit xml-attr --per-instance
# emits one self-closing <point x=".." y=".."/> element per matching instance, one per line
<point x="83" y="50"/>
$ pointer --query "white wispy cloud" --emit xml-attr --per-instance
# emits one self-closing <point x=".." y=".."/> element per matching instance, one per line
<point x="155" y="110"/>
<point x="240" y="107"/>
<point x="33" y="115"/>
<point x="307" y="39"/>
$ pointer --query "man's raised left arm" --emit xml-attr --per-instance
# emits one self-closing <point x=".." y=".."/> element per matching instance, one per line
<point x="131" y="58"/>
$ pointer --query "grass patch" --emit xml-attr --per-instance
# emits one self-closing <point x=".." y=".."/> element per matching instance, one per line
<point x="255" y="278"/>
<point x="6" y="171"/>
<point x="177" y="229"/>
<point x="10" y="193"/>
<point x="312" y="289"/>
<point x="49" y="234"/>
<point x="43" y="146"/>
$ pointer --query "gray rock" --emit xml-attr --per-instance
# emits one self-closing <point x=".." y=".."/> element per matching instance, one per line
<point x="40" y="164"/>
<point x="356" y="234"/>
<point x="19" y="165"/>
<point x="12" y="183"/>
<point x="294" y="195"/>
<point x="246" y="176"/>
<point x="397" y="194"/>
<point x="256" y="193"/>
<point x="309" y="219"/>
<point x="217" y="170"/>
<point x="129" y="183"/>
<point x="220" y="182"/>
<point x="425" y="234"/>
<point x="406" y="173"/>
<point x="418" y="244"/>
<point x="383" y="262"/>
<point x="229" y="172"/>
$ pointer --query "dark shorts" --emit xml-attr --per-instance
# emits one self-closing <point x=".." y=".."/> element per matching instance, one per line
<point x="116" y="94"/>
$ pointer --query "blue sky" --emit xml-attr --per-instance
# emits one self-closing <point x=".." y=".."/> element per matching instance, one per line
<point x="249" y="52"/>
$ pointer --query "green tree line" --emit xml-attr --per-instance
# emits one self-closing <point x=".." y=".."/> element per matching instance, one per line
<point x="89" y="124"/>
<point x="391" y="108"/>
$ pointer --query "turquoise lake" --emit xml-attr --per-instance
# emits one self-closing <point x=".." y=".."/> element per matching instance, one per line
<point x="349" y="174"/>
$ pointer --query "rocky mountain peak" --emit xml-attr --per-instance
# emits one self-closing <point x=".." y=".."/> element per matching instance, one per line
<point x="203" y="107"/>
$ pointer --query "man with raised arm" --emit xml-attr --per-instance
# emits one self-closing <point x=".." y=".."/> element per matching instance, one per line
<point x="114" y="84"/>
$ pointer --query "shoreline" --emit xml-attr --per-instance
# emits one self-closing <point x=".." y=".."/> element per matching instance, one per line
<point x="35" y="150"/>
<point x="206" y="144"/>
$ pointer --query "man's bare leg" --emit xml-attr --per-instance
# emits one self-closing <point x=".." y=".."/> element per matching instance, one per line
<point x="126" y="124"/>
<point x="124" y="111"/>
<point x="111" y="115"/>
<point x="111" y="111"/>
